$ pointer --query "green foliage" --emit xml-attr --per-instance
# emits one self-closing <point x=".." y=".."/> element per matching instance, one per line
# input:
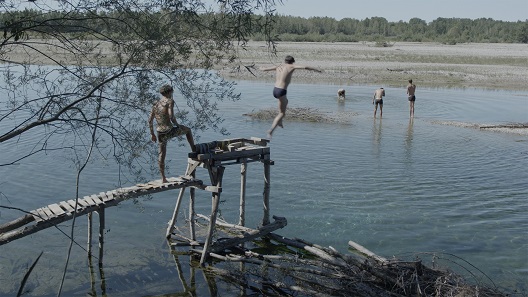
<point x="446" y="30"/>
<point x="92" y="69"/>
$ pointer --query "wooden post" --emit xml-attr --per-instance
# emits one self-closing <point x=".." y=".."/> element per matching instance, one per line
<point x="267" y="183"/>
<point x="101" y="212"/>
<point x="89" y="243"/>
<point x="192" y="214"/>
<point x="172" y="222"/>
<point x="243" y="169"/>
<point x="216" y="173"/>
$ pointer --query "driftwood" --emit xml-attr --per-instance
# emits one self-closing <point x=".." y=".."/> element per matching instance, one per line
<point x="295" y="267"/>
<point x="248" y="234"/>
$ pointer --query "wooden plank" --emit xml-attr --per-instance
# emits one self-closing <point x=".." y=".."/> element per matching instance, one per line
<point x="48" y="212"/>
<point x="71" y="202"/>
<point x="97" y="199"/>
<point x="82" y="203"/>
<point x="88" y="200"/>
<point x="235" y="155"/>
<point x="108" y="196"/>
<point x="56" y="209"/>
<point x="40" y="215"/>
<point x="67" y="207"/>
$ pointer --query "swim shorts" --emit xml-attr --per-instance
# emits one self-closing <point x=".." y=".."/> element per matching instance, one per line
<point x="412" y="98"/>
<point x="163" y="137"/>
<point x="278" y="92"/>
<point x="379" y="101"/>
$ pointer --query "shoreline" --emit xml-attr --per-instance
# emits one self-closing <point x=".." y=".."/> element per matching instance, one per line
<point x="495" y="66"/>
<point x="429" y="64"/>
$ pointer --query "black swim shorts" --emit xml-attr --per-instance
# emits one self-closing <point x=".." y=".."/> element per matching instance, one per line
<point x="412" y="98"/>
<point x="278" y="92"/>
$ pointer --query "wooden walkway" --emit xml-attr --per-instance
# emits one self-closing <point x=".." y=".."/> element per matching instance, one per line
<point x="57" y="213"/>
<point x="213" y="156"/>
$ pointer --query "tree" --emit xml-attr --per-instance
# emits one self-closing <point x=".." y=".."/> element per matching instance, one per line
<point x="89" y="68"/>
<point x="81" y="75"/>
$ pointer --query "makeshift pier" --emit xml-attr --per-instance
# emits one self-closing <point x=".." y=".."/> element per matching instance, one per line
<point x="213" y="156"/>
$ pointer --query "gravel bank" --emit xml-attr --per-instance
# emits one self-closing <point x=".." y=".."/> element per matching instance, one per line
<point x="489" y="66"/>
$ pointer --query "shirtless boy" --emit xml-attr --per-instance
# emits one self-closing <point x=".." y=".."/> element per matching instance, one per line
<point x="283" y="74"/>
<point x="167" y="126"/>
<point x="378" y="100"/>
<point x="411" y="89"/>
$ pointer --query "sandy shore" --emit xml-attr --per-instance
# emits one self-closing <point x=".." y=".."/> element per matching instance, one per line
<point x="489" y="66"/>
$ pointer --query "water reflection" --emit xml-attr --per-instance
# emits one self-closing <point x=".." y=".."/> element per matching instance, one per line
<point x="376" y="135"/>
<point x="93" y="290"/>
<point x="409" y="141"/>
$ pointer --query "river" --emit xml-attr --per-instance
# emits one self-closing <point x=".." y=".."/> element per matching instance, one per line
<point x="435" y="185"/>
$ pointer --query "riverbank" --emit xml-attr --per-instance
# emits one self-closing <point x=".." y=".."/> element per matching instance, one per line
<point x="501" y="66"/>
<point x="472" y="65"/>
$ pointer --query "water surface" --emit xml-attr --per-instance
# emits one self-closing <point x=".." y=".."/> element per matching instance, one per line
<point x="396" y="186"/>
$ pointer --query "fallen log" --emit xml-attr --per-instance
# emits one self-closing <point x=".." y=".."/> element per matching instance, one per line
<point x="248" y="235"/>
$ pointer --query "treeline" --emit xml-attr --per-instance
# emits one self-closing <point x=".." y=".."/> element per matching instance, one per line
<point x="314" y="29"/>
<point x="445" y="30"/>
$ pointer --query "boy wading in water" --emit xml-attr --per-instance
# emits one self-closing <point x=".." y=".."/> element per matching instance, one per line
<point x="411" y="89"/>
<point x="378" y="100"/>
<point x="283" y="74"/>
<point x="167" y="126"/>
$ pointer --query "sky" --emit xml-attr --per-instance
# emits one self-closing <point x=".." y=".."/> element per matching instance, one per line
<point x="404" y="10"/>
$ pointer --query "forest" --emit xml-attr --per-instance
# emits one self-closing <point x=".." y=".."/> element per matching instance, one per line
<point x="323" y="29"/>
<point x="444" y="30"/>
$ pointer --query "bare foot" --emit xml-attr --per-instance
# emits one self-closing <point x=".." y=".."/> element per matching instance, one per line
<point x="269" y="134"/>
<point x="164" y="180"/>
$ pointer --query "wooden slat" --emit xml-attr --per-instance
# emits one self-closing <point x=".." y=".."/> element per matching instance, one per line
<point x="82" y="203"/>
<point x="67" y="207"/>
<point x="40" y="215"/>
<point x="108" y="196"/>
<point x="71" y="202"/>
<point x="89" y="200"/>
<point x="48" y="212"/>
<point x="56" y="209"/>
<point x="97" y="199"/>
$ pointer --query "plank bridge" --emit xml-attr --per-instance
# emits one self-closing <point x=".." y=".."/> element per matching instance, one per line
<point x="212" y="156"/>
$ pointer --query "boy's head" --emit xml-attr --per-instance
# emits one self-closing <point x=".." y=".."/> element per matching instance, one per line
<point x="289" y="60"/>
<point x="410" y="81"/>
<point x="165" y="90"/>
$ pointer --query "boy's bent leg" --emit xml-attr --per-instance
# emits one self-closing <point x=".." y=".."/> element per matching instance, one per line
<point x="189" y="136"/>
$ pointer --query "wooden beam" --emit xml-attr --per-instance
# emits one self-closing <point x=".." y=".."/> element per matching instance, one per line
<point x="249" y="235"/>
<point x="17" y="223"/>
